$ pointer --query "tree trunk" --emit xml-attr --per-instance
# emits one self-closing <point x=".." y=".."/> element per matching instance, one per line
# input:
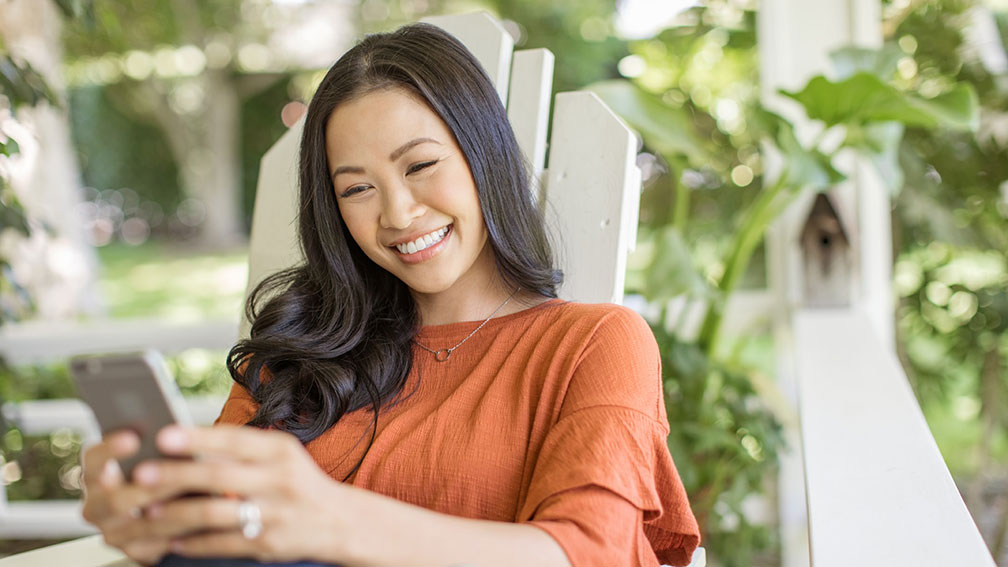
<point x="205" y="147"/>
<point x="221" y="191"/>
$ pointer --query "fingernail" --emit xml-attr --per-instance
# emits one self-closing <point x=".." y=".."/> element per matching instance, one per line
<point x="127" y="441"/>
<point x="155" y="511"/>
<point x="173" y="438"/>
<point x="145" y="474"/>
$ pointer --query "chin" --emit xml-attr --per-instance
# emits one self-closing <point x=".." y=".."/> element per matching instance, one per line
<point x="428" y="287"/>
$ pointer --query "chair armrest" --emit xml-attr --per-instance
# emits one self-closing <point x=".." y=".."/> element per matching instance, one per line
<point x="88" y="551"/>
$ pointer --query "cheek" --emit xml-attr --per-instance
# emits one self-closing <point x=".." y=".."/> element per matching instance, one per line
<point x="355" y="225"/>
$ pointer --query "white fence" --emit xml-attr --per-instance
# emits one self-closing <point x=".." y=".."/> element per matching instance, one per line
<point x="38" y="343"/>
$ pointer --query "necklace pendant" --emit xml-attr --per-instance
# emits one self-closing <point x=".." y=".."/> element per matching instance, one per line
<point x="443" y="354"/>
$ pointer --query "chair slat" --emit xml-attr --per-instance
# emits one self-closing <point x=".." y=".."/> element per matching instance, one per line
<point x="487" y="39"/>
<point x="273" y="244"/>
<point x="529" y="102"/>
<point x="592" y="188"/>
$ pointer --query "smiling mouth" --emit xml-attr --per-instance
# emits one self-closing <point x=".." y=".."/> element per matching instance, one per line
<point x="424" y="242"/>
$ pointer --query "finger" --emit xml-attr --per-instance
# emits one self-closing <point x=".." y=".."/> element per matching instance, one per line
<point x="231" y="544"/>
<point x="114" y="446"/>
<point x="169" y="479"/>
<point x="237" y="442"/>
<point x="123" y="503"/>
<point x="147" y="551"/>
<point x="194" y="514"/>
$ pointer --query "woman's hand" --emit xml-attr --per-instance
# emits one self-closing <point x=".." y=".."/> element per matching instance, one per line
<point x="115" y="506"/>
<point x="304" y="513"/>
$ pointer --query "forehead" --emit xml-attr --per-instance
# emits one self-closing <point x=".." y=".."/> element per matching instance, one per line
<point x="381" y="121"/>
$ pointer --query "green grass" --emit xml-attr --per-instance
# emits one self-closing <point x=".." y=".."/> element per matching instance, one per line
<point x="156" y="280"/>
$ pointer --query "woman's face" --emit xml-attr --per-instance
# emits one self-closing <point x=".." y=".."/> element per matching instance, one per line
<point x="406" y="193"/>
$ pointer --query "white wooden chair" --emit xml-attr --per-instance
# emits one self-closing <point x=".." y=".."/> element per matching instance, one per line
<point x="591" y="189"/>
<point x="590" y="192"/>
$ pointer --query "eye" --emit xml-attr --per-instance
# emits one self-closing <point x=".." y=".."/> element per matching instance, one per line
<point x="420" y="166"/>
<point x="355" y="190"/>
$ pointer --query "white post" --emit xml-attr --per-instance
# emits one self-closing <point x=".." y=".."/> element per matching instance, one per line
<point x="795" y="40"/>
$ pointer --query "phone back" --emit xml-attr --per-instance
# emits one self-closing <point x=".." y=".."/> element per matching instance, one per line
<point x="130" y="391"/>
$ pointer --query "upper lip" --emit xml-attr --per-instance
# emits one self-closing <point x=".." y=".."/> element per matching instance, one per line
<point x="416" y="235"/>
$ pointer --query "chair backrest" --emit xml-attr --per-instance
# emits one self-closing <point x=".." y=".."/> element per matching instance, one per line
<point x="590" y="191"/>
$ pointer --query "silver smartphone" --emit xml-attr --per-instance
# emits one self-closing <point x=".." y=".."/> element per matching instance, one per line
<point x="133" y="391"/>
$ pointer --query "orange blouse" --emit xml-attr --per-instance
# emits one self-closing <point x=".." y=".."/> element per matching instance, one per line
<point x="552" y="416"/>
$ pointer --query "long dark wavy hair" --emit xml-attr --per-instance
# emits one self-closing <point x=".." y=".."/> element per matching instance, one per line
<point x="333" y="335"/>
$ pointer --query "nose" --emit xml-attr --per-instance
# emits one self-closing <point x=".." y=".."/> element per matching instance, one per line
<point x="399" y="207"/>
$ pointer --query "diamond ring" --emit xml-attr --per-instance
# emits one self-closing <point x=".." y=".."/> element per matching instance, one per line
<point x="250" y="519"/>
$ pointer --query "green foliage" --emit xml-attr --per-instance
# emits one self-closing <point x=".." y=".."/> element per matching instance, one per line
<point x="872" y="112"/>
<point x="38" y="466"/>
<point x="668" y="130"/>
<point x="671" y="271"/>
<point x="120" y="25"/>
<point x="724" y="442"/>
<point x="157" y="280"/>
<point x="951" y="241"/>
<point x="48" y="466"/>
<point x="41" y="467"/>
<point x="865" y="98"/>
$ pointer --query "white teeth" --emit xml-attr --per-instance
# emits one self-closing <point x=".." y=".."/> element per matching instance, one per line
<point x="423" y="242"/>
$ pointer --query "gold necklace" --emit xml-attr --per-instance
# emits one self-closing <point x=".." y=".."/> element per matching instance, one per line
<point x="445" y="353"/>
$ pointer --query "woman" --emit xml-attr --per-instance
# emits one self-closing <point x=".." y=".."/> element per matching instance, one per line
<point x="418" y="394"/>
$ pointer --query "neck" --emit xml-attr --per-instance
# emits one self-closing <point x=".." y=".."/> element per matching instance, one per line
<point x="454" y="306"/>
<point x="475" y="296"/>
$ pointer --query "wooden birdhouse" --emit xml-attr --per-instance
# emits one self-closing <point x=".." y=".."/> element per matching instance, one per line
<point x="826" y="251"/>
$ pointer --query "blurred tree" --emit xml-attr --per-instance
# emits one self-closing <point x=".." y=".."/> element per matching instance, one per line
<point x="197" y="112"/>
<point x="185" y="67"/>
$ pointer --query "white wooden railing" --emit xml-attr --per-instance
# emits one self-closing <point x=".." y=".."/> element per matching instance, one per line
<point x="45" y="342"/>
<point x="879" y="493"/>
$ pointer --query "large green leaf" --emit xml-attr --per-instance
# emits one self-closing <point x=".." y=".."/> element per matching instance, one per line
<point x="848" y="61"/>
<point x="667" y="129"/>
<point x="864" y="98"/>
<point x="672" y="272"/>
<point x="804" y="168"/>
<point x="881" y="144"/>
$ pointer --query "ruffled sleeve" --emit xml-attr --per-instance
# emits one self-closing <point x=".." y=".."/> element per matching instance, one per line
<point x="604" y="484"/>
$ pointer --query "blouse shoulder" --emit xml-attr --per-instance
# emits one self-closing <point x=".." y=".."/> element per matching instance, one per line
<point x="610" y="435"/>
<point x="239" y="408"/>
<point x="617" y="361"/>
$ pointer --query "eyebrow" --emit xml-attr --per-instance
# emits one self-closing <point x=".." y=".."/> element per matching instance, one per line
<point x="396" y="154"/>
